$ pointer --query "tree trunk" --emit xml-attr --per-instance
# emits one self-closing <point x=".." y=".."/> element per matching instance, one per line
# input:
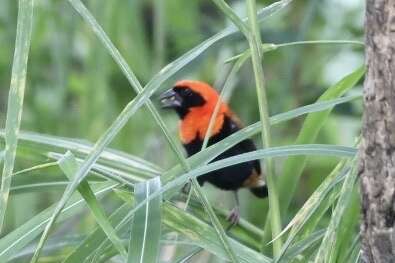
<point x="377" y="152"/>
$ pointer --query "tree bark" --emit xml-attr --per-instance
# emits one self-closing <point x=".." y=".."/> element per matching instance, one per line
<point x="377" y="152"/>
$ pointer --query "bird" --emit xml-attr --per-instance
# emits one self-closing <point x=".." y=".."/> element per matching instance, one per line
<point x="194" y="103"/>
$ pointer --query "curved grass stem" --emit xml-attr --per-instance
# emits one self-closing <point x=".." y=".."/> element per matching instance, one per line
<point x="255" y="43"/>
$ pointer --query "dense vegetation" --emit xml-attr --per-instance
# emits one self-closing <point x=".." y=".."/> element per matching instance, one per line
<point x="80" y="91"/>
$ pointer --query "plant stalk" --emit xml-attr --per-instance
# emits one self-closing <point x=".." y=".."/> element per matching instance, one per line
<point x="255" y="43"/>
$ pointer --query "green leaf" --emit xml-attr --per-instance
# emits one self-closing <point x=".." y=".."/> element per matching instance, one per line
<point x="267" y="47"/>
<point x="146" y="228"/>
<point x="69" y="166"/>
<point x="348" y="230"/>
<point x="37" y="187"/>
<point x="15" y="99"/>
<point x="44" y="143"/>
<point x="315" y="107"/>
<point x="255" y="42"/>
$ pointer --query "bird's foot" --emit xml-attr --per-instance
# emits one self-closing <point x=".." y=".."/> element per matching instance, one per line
<point x="186" y="188"/>
<point x="233" y="218"/>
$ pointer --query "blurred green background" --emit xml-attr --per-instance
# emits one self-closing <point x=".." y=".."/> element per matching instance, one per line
<point x="76" y="90"/>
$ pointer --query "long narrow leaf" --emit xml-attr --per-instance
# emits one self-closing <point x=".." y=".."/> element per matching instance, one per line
<point x="348" y="229"/>
<point x="146" y="228"/>
<point x="315" y="107"/>
<point x="255" y="42"/>
<point x="15" y="98"/>
<point x="44" y="143"/>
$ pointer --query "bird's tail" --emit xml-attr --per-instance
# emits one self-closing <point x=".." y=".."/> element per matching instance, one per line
<point x="260" y="191"/>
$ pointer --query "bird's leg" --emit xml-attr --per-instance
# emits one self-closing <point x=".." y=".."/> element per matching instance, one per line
<point x="234" y="215"/>
<point x="186" y="188"/>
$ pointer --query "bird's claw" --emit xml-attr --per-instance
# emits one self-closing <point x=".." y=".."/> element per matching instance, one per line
<point x="234" y="217"/>
<point x="186" y="188"/>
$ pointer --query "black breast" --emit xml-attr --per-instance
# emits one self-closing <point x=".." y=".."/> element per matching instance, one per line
<point x="232" y="177"/>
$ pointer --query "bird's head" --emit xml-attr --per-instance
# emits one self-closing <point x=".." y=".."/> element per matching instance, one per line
<point x="187" y="95"/>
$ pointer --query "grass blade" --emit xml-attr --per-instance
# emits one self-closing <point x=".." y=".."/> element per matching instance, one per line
<point x="43" y="143"/>
<point x="348" y="229"/>
<point x="255" y="42"/>
<point x="266" y="47"/>
<point x="228" y="11"/>
<point x="159" y="33"/>
<point x="315" y="107"/>
<point x="69" y="166"/>
<point x="15" y="98"/>
<point x="146" y="227"/>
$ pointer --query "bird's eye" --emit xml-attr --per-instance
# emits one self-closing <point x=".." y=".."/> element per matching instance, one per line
<point x="186" y="92"/>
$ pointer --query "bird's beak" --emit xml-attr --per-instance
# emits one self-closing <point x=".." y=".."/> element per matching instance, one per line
<point x="170" y="99"/>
